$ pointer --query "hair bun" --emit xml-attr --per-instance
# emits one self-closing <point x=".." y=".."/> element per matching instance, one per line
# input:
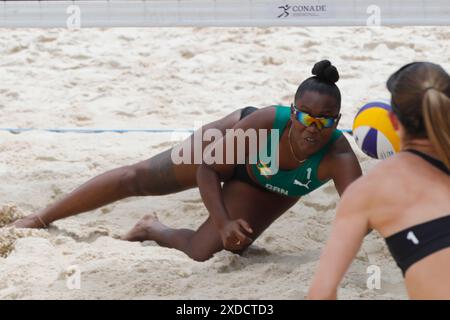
<point x="325" y="71"/>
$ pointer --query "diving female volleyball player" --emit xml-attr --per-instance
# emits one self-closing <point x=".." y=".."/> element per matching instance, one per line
<point x="310" y="150"/>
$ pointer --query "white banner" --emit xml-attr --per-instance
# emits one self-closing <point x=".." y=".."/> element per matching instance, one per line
<point x="261" y="13"/>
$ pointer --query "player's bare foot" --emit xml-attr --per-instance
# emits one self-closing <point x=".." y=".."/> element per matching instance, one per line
<point x="144" y="229"/>
<point x="31" y="221"/>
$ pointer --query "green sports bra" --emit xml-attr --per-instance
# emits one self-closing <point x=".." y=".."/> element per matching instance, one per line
<point x="296" y="182"/>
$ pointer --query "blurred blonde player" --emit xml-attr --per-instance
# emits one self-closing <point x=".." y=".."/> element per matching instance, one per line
<point x="406" y="198"/>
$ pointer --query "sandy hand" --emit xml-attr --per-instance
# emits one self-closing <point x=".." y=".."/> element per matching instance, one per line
<point x="235" y="235"/>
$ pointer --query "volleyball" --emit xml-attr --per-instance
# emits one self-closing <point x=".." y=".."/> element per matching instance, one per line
<point x="373" y="130"/>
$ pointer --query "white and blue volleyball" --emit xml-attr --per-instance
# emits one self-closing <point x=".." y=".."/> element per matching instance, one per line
<point x="373" y="130"/>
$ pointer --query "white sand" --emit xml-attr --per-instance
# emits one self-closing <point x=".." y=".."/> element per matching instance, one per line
<point x="161" y="78"/>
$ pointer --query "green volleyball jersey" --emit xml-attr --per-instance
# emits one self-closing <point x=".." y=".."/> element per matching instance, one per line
<point x="296" y="182"/>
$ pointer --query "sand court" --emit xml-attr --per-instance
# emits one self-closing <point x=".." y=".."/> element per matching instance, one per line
<point x="173" y="78"/>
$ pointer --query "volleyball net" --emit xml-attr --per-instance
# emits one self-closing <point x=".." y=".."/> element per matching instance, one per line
<point x="223" y="13"/>
<point x="215" y="13"/>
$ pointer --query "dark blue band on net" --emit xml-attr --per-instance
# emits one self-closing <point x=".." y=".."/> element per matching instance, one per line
<point x="95" y="130"/>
